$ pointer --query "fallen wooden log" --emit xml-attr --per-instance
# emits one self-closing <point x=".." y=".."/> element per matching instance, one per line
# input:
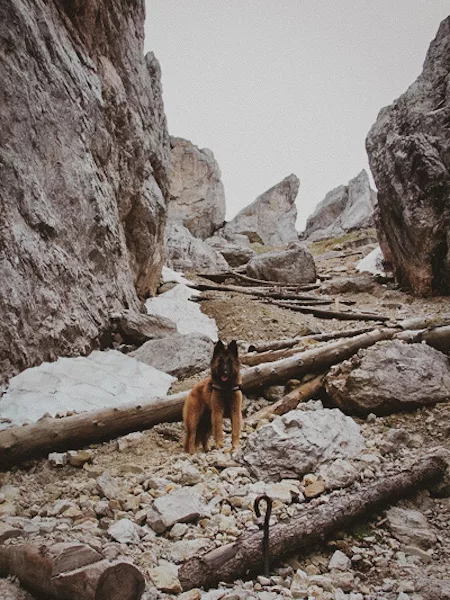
<point x="332" y="314"/>
<point x="289" y="402"/>
<point x="50" y="434"/>
<point x="220" y="277"/>
<point x="202" y="287"/>
<point x="319" y="337"/>
<point x="438" y="337"/>
<point x="243" y="558"/>
<point x="71" y="571"/>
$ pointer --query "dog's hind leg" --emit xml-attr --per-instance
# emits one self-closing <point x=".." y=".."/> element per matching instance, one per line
<point x="191" y="422"/>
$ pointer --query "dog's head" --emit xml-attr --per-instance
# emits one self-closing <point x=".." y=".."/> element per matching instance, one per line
<point x="225" y="364"/>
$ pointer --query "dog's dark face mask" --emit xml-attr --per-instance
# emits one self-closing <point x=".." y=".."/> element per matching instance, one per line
<point x="225" y="364"/>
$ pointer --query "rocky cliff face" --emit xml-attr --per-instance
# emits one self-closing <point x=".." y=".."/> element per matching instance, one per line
<point x="84" y="155"/>
<point x="409" y="154"/>
<point x="197" y="195"/>
<point x="270" y="219"/>
<point x="345" y="208"/>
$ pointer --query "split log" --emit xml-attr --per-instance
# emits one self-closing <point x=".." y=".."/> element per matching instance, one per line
<point x="49" y="434"/>
<point x="332" y="314"/>
<point x="289" y="402"/>
<point x="319" y="337"/>
<point x="243" y="558"/>
<point x="71" y="571"/>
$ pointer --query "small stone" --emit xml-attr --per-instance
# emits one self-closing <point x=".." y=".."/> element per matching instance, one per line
<point x="155" y="521"/>
<point x="129" y="441"/>
<point x="187" y="473"/>
<point x="108" y="486"/>
<point x="339" y="561"/>
<point x="181" y="506"/>
<point x="73" y="512"/>
<point x="178" y="531"/>
<point x="423" y="555"/>
<point x="315" y="489"/>
<point x="165" y="578"/>
<point x="77" y="458"/>
<point x="58" y="459"/>
<point x="7" y="532"/>
<point x="194" y="594"/>
<point x="125" y="532"/>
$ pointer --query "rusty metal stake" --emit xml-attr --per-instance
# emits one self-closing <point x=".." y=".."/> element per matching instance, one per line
<point x="265" y="527"/>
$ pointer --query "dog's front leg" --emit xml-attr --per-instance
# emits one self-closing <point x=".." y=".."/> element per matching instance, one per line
<point x="236" y="420"/>
<point x="217" y="413"/>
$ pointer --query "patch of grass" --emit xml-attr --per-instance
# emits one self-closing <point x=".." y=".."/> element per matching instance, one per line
<point x="361" y="531"/>
<point x="322" y="246"/>
<point x="262" y="248"/>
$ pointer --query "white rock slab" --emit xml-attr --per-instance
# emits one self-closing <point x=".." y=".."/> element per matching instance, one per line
<point x="372" y="263"/>
<point x="100" y="380"/>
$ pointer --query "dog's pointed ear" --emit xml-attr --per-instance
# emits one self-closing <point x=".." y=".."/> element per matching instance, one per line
<point x="218" y="348"/>
<point x="232" y="348"/>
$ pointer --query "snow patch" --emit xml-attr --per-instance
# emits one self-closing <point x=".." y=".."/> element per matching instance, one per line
<point x="100" y="380"/>
<point x="175" y="304"/>
<point x="372" y="263"/>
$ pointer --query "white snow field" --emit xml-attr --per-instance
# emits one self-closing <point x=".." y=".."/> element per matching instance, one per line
<point x="175" y="305"/>
<point x="100" y="380"/>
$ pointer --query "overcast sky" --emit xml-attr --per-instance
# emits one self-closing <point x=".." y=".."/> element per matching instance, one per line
<point x="275" y="87"/>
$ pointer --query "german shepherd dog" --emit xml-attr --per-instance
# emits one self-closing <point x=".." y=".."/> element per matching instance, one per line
<point x="214" y="398"/>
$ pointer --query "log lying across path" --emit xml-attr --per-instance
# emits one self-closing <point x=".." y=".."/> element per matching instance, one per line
<point x="331" y="314"/>
<point x="319" y="337"/>
<point x="243" y="558"/>
<point x="203" y="287"/>
<point x="76" y="431"/>
<point x="71" y="571"/>
<point x="220" y="277"/>
<point x="289" y="402"/>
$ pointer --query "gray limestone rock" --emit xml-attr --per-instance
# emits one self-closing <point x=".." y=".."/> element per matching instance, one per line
<point x="177" y="354"/>
<point x="84" y="155"/>
<point x="270" y="219"/>
<point x="409" y="155"/>
<point x="137" y="328"/>
<point x="410" y="527"/>
<point x="184" y="252"/>
<point x="294" y="265"/>
<point x="125" y="531"/>
<point x="181" y="506"/>
<point x="299" y="442"/>
<point x="236" y="254"/>
<point x="345" y="208"/>
<point x="197" y="196"/>
<point x="388" y="377"/>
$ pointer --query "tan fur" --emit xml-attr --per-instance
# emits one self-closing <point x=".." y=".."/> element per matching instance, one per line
<point x="206" y="407"/>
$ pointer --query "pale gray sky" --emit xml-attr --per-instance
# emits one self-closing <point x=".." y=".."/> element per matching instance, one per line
<point x="288" y="86"/>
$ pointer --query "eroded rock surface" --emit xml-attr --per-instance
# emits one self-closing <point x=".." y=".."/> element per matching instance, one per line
<point x="388" y="377"/>
<point x="409" y="155"/>
<point x="270" y="219"/>
<point x="84" y="156"/>
<point x="345" y="208"/>
<point x="197" y="195"/>
<point x="298" y="442"/>
<point x="293" y="265"/>
<point x="184" y="252"/>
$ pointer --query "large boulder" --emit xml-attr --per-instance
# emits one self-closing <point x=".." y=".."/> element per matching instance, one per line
<point x="184" y="252"/>
<point x="293" y="265"/>
<point x="84" y="156"/>
<point x="235" y="254"/>
<point x="270" y="219"/>
<point x="197" y="195"/>
<point x="177" y="354"/>
<point x="299" y="442"/>
<point x="388" y="377"/>
<point x="345" y="208"/>
<point x="409" y="155"/>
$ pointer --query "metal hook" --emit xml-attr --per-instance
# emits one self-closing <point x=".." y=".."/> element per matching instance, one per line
<point x="265" y="526"/>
